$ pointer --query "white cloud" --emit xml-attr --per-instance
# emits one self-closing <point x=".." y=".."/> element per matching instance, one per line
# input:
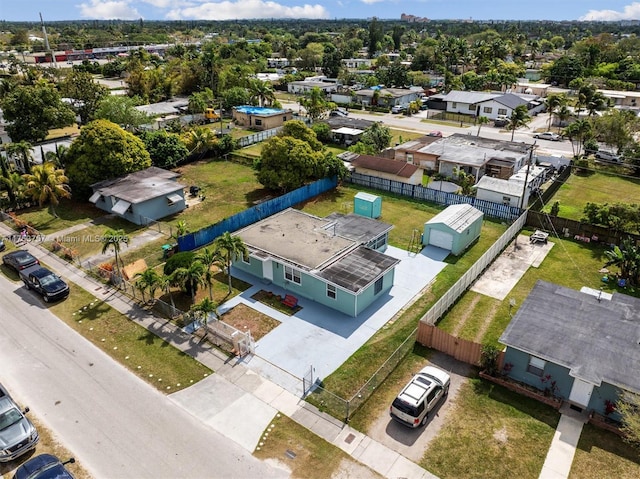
<point x="161" y="3"/>
<point x="109" y="10"/>
<point x="230" y="10"/>
<point x="630" y="12"/>
<point x="370" y="2"/>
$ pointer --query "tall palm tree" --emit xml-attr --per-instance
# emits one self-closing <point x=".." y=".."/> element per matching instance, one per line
<point x="519" y="117"/>
<point x="199" y="140"/>
<point x="149" y="280"/>
<point x="46" y="184"/>
<point x="190" y="278"/>
<point x="21" y="153"/>
<point x="113" y="239"/>
<point x="552" y="102"/>
<point x="563" y="113"/>
<point x="627" y="258"/>
<point x="315" y="103"/>
<point x="208" y="258"/>
<point x="165" y="282"/>
<point x="578" y="132"/>
<point x="262" y="91"/>
<point x="482" y="120"/>
<point x="14" y="182"/>
<point x="230" y="247"/>
<point x="202" y="310"/>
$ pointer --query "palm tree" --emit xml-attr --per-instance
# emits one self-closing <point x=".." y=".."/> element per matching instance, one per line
<point x="230" y="247"/>
<point x="563" y="113"/>
<point x="627" y="258"/>
<point x="202" y="310"/>
<point x="149" y="279"/>
<point x="519" y="117"/>
<point x="46" y="184"/>
<point x="261" y="91"/>
<point x="165" y="282"/>
<point x="597" y="102"/>
<point x="21" y="154"/>
<point x="14" y="182"/>
<point x="190" y="278"/>
<point x="199" y="140"/>
<point x="112" y="239"/>
<point x="208" y="258"/>
<point x="578" y="132"/>
<point x="482" y="120"/>
<point x="552" y="102"/>
<point x="315" y="103"/>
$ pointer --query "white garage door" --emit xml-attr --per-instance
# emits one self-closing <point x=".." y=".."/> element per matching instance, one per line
<point x="441" y="239"/>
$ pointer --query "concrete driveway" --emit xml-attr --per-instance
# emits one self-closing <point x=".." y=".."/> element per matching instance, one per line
<point x="412" y="443"/>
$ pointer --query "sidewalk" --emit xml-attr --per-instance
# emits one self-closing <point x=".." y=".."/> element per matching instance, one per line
<point x="249" y="392"/>
<point x="557" y="464"/>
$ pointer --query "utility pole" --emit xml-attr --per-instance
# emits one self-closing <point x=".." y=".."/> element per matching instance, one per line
<point x="46" y="42"/>
<point x="526" y="176"/>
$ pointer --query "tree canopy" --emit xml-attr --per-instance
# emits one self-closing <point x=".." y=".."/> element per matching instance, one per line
<point x="166" y="149"/>
<point x="103" y="151"/>
<point x="85" y="93"/>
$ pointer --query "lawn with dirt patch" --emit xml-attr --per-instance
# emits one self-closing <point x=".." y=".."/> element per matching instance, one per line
<point x="244" y="319"/>
<point x="492" y="432"/>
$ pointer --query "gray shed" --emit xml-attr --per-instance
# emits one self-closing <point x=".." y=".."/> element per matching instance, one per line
<point x="453" y="229"/>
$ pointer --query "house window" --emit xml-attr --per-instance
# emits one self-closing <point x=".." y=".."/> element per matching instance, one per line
<point x="258" y="122"/>
<point x="246" y="259"/>
<point x="506" y="200"/>
<point x="409" y="157"/>
<point x="536" y="366"/>
<point x="487" y="109"/>
<point x="331" y="291"/>
<point x="472" y="108"/>
<point x="379" y="242"/>
<point x="292" y="275"/>
<point x="454" y="104"/>
<point x="377" y="286"/>
<point x="502" y="111"/>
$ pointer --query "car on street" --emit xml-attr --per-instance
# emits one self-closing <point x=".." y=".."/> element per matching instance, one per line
<point x="44" y="466"/>
<point x="548" y="135"/>
<point x="339" y="112"/>
<point x="398" y="108"/>
<point x="608" y="156"/>
<point x="3" y="246"/>
<point x="17" y="435"/>
<point x="44" y="282"/>
<point x="19" y="259"/>
<point x="420" y="396"/>
<point x="435" y="133"/>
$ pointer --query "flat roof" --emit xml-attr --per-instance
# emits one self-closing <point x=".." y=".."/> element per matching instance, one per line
<point x="296" y="237"/>
<point x="258" y="110"/>
<point x="358" y="228"/>
<point x="348" y="131"/>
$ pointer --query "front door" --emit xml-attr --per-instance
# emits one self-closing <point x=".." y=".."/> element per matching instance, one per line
<point x="267" y="270"/>
<point x="581" y="392"/>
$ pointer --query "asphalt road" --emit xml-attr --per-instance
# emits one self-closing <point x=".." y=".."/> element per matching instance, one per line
<point x="115" y="424"/>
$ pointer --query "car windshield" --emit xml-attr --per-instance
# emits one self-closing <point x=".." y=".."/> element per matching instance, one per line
<point x="405" y="408"/>
<point x="9" y="418"/>
<point x="49" y="279"/>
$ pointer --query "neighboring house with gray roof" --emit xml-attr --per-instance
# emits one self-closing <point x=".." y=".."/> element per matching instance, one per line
<point x="388" y="169"/>
<point x="489" y="104"/>
<point x="141" y="197"/>
<point x="583" y="346"/>
<point x="510" y="191"/>
<point x="336" y="261"/>
<point x="386" y="97"/>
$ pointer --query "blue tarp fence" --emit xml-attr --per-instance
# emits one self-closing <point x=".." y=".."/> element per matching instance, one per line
<point x="256" y="213"/>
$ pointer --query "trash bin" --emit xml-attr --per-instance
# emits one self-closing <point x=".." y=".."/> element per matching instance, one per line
<point x="167" y="249"/>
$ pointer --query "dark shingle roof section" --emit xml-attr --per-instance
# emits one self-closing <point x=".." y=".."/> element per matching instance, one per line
<point x="597" y="340"/>
<point x="385" y="165"/>
<point x="510" y="100"/>
<point x="357" y="228"/>
<point x="358" y="269"/>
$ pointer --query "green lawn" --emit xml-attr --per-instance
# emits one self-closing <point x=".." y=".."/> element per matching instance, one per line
<point x="596" y="187"/>
<point x="492" y="432"/>
<point x="70" y="212"/>
<point x="600" y="451"/>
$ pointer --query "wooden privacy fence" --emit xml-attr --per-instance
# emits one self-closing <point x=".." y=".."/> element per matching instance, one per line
<point x="461" y="349"/>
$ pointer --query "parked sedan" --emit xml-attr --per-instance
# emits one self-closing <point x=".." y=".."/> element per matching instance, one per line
<point x="19" y="259"/>
<point x="44" y="466"/>
<point x="548" y="135"/>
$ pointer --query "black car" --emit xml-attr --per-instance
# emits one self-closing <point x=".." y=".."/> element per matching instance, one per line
<point x="19" y="259"/>
<point x="45" y="282"/>
<point x="44" y="466"/>
<point x="2" y="245"/>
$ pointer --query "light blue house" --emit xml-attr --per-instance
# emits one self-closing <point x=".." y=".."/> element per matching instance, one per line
<point x="581" y="346"/>
<point x="337" y="261"/>
<point x="141" y="197"/>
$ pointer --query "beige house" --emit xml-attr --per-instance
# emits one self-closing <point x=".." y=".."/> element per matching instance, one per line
<point x="413" y="152"/>
<point x="260" y="118"/>
<point x="388" y="169"/>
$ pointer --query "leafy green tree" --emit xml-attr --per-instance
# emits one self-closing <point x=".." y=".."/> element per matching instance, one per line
<point x="85" y="92"/>
<point x="121" y="110"/>
<point x="113" y="239"/>
<point x="628" y="406"/>
<point x="230" y="247"/>
<point x="316" y="104"/>
<point x="616" y="128"/>
<point x="297" y="129"/>
<point x="322" y="131"/>
<point x="565" y="69"/>
<point x="377" y="136"/>
<point x="553" y="102"/>
<point x="376" y="33"/>
<point x="47" y="184"/>
<point x="627" y="258"/>
<point x="166" y="149"/>
<point x="201" y="100"/>
<point x="519" y="118"/>
<point x="32" y="110"/>
<point x="287" y="163"/>
<point x="235" y="96"/>
<point x="395" y="75"/>
<point x="103" y="151"/>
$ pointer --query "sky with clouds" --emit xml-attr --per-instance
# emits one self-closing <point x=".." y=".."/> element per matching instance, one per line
<point x="52" y="10"/>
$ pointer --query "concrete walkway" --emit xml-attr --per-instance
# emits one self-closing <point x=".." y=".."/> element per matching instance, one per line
<point x="234" y="390"/>
<point x="557" y="464"/>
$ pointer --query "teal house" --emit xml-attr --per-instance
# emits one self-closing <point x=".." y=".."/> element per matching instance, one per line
<point x="337" y="261"/>
<point x="454" y="229"/>
<point x="581" y="346"/>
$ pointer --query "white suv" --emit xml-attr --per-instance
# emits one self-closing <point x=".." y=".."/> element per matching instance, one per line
<point x="608" y="156"/>
<point x="418" y="398"/>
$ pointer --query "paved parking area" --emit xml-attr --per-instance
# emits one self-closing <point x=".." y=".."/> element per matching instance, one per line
<point x="320" y="338"/>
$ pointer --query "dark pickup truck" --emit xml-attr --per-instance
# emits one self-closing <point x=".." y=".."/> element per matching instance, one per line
<point x="46" y="283"/>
